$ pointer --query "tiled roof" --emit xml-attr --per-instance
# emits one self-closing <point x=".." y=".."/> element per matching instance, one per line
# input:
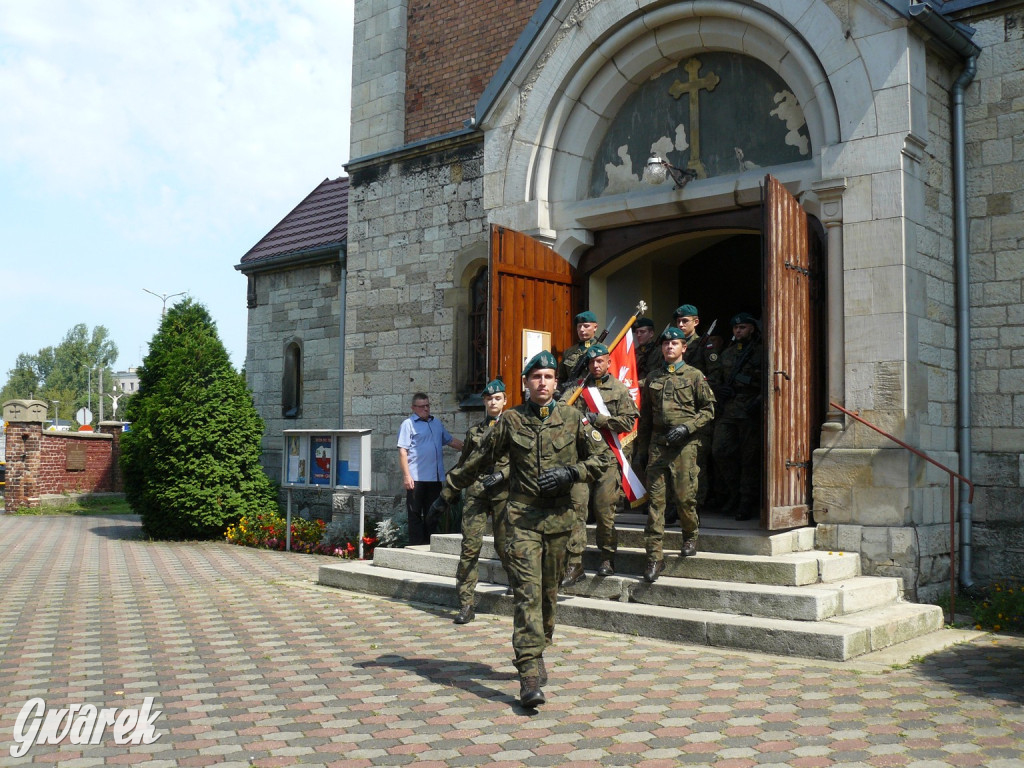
<point x="319" y="221"/>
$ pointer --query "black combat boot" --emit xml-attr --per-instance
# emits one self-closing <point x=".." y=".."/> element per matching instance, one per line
<point x="654" y="569"/>
<point x="530" y="694"/>
<point x="466" y="615"/>
<point x="573" y="573"/>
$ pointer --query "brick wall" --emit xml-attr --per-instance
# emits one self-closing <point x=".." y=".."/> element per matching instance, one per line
<point x="995" y="178"/>
<point x="37" y="463"/>
<point x="453" y="50"/>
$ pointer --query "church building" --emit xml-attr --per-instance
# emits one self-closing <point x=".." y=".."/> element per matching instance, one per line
<point x="848" y="171"/>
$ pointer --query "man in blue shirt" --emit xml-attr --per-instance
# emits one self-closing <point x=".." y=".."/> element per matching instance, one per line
<point x="421" y="441"/>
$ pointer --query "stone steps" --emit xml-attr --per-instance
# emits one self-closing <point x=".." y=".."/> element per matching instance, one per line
<point x="796" y="601"/>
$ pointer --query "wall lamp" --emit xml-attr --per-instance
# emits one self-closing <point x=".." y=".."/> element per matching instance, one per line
<point x="658" y="169"/>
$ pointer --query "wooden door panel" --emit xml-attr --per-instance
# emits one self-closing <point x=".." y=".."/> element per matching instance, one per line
<point x="531" y="287"/>
<point x="790" y="359"/>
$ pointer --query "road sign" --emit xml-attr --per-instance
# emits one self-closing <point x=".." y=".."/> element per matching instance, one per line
<point x="83" y="416"/>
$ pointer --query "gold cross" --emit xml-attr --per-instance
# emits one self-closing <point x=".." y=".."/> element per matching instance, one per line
<point x="692" y="86"/>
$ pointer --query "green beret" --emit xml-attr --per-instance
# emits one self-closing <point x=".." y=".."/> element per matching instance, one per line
<point x="493" y="387"/>
<point x="596" y="350"/>
<point x="673" y="333"/>
<point x="644" y="322"/>
<point x="686" y="310"/>
<point x="743" y="317"/>
<point x="542" y="359"/>
<point x="586" y="317"/>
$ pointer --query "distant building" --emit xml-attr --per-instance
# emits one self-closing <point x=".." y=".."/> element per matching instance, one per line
<point x="127" y="381"/>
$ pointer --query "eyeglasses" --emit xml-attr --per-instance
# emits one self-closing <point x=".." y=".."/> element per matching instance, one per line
<point x="421" y="405"/>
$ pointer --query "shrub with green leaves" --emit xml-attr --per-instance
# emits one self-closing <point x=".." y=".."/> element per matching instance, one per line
<point x="191" y="460"/>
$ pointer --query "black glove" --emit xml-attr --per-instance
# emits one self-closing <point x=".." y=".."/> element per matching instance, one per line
<point x="724" y="392"/>
<point x="557" y="480"/>
<point x="593" y="417"/>
<point x="677" y="436"/>
<point x="437" y="509"/>
<point x="491" y="481"/>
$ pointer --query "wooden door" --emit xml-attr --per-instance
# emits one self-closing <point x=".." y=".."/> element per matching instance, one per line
<point x="790" y="358"/>
<point x="532" y="287"/>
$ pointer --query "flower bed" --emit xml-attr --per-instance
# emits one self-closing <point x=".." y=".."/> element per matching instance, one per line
<point x="268" y="531"/>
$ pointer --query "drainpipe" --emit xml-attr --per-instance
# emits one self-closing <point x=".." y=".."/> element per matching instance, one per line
<point x="342" y="289"/>
<point x="942" y="29"/>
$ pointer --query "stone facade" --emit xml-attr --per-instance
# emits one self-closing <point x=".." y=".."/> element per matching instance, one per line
<point x="874" y="86"/>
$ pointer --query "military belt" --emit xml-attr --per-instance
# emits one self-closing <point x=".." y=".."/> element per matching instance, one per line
<point x="544" y="502"/>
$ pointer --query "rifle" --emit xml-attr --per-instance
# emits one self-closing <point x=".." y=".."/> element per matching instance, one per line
<point x="641" y="307"/>
<point x="726" y="389"/>
<point x="704" y="339"/>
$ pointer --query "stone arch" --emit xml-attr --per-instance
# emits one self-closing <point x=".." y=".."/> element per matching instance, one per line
<point x="591" y="66"/>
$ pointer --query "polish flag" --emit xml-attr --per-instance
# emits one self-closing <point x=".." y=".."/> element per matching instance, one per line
<point x="622" y="365"/>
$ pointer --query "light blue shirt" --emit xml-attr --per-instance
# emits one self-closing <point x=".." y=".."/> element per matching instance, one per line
<point x="424" y="439"/>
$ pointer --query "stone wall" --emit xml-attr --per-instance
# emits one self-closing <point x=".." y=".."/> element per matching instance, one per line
<point x="378" y="76"/>
<point x="296" y="305"/>
<point x="410" y="219"/>
<point x="995" y="156"/>
<point x="42" y="463"/>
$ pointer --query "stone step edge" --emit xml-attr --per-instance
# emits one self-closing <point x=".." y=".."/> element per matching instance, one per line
<point x="811" y="602"/>
<point x="833" y="639"/>
<point x="792" y="568"/>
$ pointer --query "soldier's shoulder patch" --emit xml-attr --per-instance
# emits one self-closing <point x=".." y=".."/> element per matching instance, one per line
<point x="595" y="435"/>
<point x="713" y="357"/>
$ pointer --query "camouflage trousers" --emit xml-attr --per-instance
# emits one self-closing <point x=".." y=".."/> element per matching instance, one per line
<point x="704" y="434"/>
<point x="601" y="497"/>
<point x="536" y="560"/>
<point x="475" y="511"/>
<point x="737" y="454"/>
<point x="672" y="473"/>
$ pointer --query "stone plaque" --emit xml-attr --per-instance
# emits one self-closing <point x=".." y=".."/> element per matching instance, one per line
<point x="76" y="457"/>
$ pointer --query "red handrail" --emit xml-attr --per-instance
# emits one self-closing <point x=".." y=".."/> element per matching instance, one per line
<point x="952" y="506"/>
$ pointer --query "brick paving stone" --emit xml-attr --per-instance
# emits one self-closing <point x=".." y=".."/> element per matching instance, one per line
<point x="251" y="663"/>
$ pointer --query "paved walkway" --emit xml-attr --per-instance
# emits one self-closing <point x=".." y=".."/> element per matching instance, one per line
<point x="251" y="663"/>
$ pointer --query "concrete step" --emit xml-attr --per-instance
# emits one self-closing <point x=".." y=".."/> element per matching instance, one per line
<point x="740" y="541"/>
<point x="789" y="569"/>
<point x="835" y="639"/>
<point x="799" y="603"/>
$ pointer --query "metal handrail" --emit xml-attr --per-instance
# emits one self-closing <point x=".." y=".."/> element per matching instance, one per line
<point x="952" y="506"/>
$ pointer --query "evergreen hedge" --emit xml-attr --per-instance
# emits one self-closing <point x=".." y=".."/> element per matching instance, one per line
<point x="191" y="458"/>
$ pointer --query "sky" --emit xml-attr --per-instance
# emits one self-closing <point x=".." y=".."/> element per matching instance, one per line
<point x="148" y="146"/>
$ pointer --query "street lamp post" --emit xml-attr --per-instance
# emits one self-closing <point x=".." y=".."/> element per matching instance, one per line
<point x="56" y="412"/>
<point x="164" y="297"/>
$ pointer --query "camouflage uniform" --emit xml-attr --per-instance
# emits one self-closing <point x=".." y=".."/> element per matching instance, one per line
<point x="602" y="496"/>
<point x="736" y="447"/>
<point x="477" y="504"/>
<point x="570" y="357"/>
<point x="539" y="524"/>
<point x="673" y="395"/>
<point x="703" y="358"/>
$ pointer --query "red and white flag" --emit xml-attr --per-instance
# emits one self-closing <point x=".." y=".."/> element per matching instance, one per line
<point x="622" y="365"/>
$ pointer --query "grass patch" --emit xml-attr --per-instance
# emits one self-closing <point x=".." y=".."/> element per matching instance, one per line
<point x="997" y="607"/>
<point x="113" y="504"/>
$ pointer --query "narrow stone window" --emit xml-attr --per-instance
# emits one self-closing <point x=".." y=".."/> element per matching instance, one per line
<point x="291" y="385"/>
<point x="478" y="331"/>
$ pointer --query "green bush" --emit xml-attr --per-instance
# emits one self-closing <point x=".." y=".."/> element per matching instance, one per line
<point x="191" y="460"/>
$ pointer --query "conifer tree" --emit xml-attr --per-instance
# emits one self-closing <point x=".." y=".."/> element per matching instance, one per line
<point x="191" y="460"/>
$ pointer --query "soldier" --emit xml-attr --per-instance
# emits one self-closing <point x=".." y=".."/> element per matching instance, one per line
<point x="586" y="330"/>
<point x="487" y="496"/>
<point x="604" y="493"/>
<point x="736" y="448"/>
<point x="646" y="347"/>
<point x="550" y="446"/>
<point x="675" y="403"/>
<point x="702" y="357"/>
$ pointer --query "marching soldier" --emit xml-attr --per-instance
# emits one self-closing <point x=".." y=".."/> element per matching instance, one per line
<point x="586" y="330"/>
<point x="487" y="496"/>
<point x="702" y="357"/>
<point x="736" y="447"/>
<point x="675" y="403"/>
<point x="605" y="491"/>
<point x="550" y="446"/>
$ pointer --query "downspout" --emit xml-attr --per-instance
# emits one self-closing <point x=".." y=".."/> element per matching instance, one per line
<point x="954" y="38"/>
<point x="342" y="290"/>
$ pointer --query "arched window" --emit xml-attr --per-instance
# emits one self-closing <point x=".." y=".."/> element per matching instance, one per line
<point x="477" y="336"/>
<point x="291" y="383"/>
